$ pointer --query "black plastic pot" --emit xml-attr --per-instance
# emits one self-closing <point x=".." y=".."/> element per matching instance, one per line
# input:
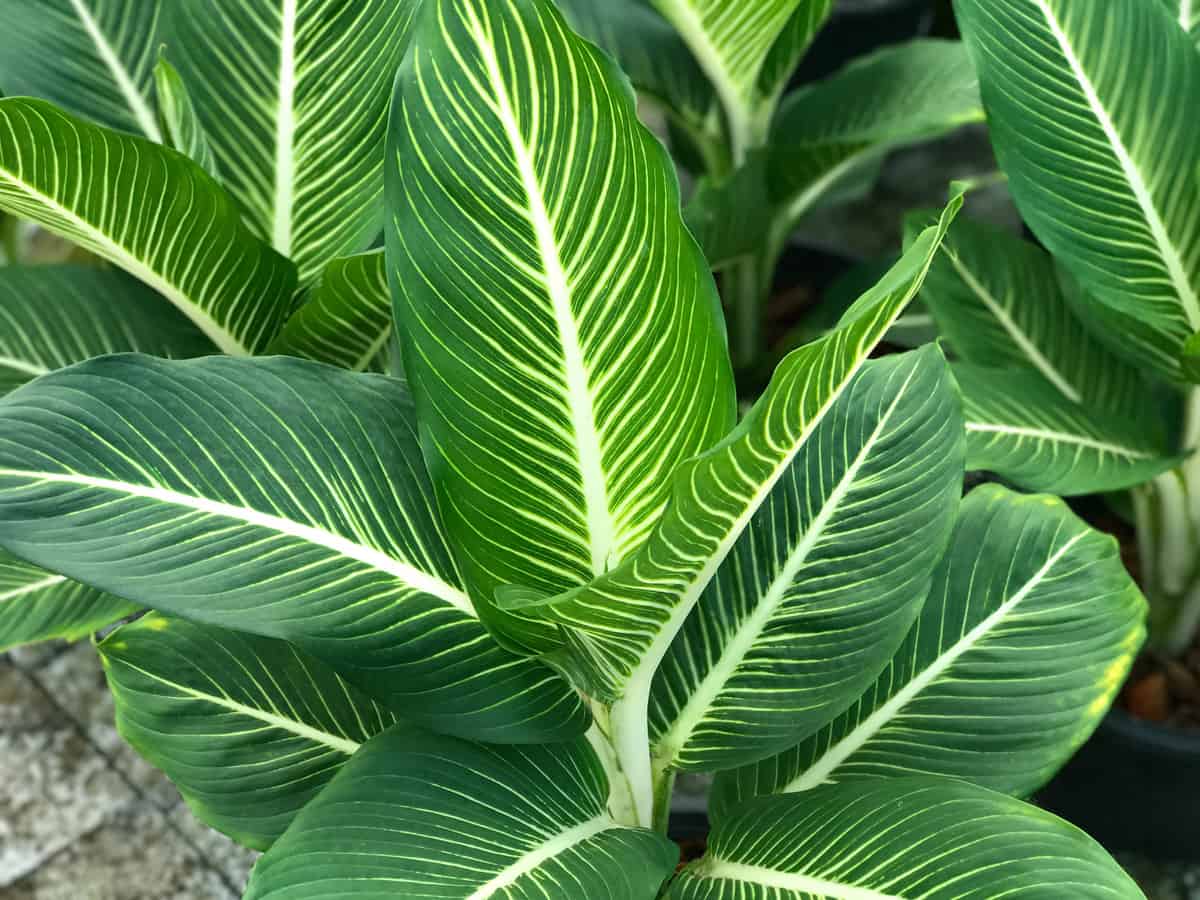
<point x="1135" y="786"/>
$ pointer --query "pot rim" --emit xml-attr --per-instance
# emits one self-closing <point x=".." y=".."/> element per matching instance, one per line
<point x="1163" y="738"/>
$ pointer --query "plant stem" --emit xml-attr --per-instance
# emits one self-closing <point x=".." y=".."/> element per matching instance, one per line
<point x="629" y="735"/>
<point x="1168" y="526"/>
<point x="746" y="299"/>
<point x="664" y="787"/>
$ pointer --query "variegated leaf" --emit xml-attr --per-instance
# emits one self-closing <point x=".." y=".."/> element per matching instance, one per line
<point x="561" y="330"/>
<point x="293" y="96"/>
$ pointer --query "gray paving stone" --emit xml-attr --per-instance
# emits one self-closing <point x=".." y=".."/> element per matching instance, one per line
<point x="54" y="787"/>
<point x="232" y="860"/>
<point x="75" y="679"/>
<point x="134" y="856"/>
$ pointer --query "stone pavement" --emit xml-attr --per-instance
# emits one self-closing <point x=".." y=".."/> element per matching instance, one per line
<point x="82" y="816"/>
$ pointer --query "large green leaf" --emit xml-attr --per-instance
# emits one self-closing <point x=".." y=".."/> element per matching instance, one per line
<point x="419" y="816"/>
<point x="1021" y="427"/>
<point x="180" y="122"/>
<point x="998" y="301"/>
<point x="279" y="497"/>
<point x="56" y="315"/>
<point x="92" y="57"/>
<point x="561" y="329"/>
<point x="293" y="95"/>
<point x="897" y="95"/>
<point x="151" y="211"/>
<point x="36" y="605"/>
<point x="900" y="839"/>
<point x="249" y="729"/>
<point x="346" y="320"/>
<point x="1105" y="179"/>
<point x="1028" y="632"/>
<point x="816" y="593"/>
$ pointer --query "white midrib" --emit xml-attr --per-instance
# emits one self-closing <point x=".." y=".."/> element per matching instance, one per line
<point x="32" y="587"/>
<point x="137" y="103"/>
<point x="736" y="649"/>
<point x="542" y="853"/>
<point x="805" y="885"/>
<point x="1185" y="14"/>
<point x="872" y="724"/>
<point x="1062" y="437"/>
<point x="1162" y="239"/>
<point x="601" y="527"/>
<point x="409" y="575"/>
<point x="21" y="365"/>
<point x="285" y="132"/>
<point x="108" y="248"/>
<point x="300" y="729"/>
<point x="1035" y="356"/>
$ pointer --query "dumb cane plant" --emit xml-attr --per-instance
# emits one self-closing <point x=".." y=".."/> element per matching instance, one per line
<point x="453" y="635"/>
<point x="766" y="156"/>
<point x="1077" y="364"/>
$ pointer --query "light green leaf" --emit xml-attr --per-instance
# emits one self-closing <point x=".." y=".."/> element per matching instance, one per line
<point x="622" y="624"/>
<point x="1104" y="180"/>
<point x="151" y="211"/>
<point x="293" y="95"/>
<point x="897" y="95"/>
<point x="249" y="729"/>
<point x="900" y="839"/>
<point x="731" y="42"/>
<point x="346" y="320"/>
<point x="650" y="51"/>
<point x="415" y="815"/>
<point x="180" y="125"/>
<point x="789" y="48"/>
<point x="997" y="300"/>
<point x="276" y="496"/>
<point x="1027" y="634"/>
<point x="37" y="605"/>
<point x="94" y="58"/>
<point x="561" y="330"/>
<point x="56" y="315"/>
<point x="1022" y="428"/>
<point x="816" y="593"/>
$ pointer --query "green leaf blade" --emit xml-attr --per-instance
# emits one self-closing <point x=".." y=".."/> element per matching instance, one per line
<point x="561" y="330"/>
<point x="1031" y="625"/>
<point x="180" y="122"/>
<point x="900" y="839"/>
<point x="37" y="605"/>
<point x="277" y="496"/>
<point x="346" y="320"/>
<point x="248" y="728"/>
<point x="297" y="113"/>
<point x="1019" y="426"/>
<point x="1107" y="185"/>
<point x="92" y="57"/>
<point x="417" y="815"/>
<point x="813" y="599"/>
<point x="57" y="315"/>
<point x="150" y="211"/>
<point x="897" y="95"/>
